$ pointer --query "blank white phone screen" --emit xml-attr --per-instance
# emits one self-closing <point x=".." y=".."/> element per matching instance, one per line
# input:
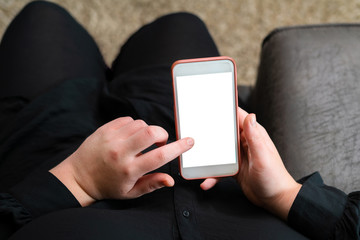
<point x="206" y="113"/>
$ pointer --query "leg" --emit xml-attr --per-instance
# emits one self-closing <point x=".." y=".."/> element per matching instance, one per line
<point x="42" y="47"/>
<point x="142" y="71"/>
<point x="169" y="38"/>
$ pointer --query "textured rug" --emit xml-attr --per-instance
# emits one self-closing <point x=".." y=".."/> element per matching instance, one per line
<point x="238" y="26"/>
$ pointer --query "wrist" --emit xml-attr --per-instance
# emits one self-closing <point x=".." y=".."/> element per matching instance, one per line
<point x="280" y="205"/>
<point x="65" y="173"/>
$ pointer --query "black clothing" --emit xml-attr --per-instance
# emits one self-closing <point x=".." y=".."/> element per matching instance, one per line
<point x="42" y="47"/>
<point x="323" y="212"/>
<point x="41" y="126"/>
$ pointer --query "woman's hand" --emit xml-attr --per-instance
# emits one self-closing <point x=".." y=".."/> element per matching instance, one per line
<point x="109" y="163"/>
<point x="262" y="175"/>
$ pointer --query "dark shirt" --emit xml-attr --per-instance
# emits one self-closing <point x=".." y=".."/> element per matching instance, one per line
<point x="37" y="205"/>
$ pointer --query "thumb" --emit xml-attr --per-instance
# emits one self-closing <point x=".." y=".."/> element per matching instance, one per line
<point x="254" y="136"/>
<point x="149" y="183"/>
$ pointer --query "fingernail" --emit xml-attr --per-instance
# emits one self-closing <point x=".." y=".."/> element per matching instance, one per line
<point x="190" y="141"/>
<point x="253" y="120"/>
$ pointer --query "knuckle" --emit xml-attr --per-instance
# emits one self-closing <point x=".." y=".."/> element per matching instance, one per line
<point x="156" y="132"/>
<point x="107" y="138"/>
<point x="127" y="171"/>
<point x="165" y="133"/>
<point x="124" y="120"/>
<point x="113" y="154"/>
<point x="127" y="119"/>
<point x="151" y="132"/>
<point x="118" y="123"/>
<point x="181" y="144"/>
<point x="161" y="155"/>
<point x="140" y="123"/>
<point x="102" y="130"/>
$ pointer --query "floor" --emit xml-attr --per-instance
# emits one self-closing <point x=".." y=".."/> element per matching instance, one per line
<point x="238" y="26"/>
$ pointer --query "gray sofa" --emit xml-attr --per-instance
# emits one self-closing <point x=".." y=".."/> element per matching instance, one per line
<point x="307" y="96"/>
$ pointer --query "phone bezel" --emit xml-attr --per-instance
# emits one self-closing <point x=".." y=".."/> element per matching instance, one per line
<point x="206" y="66"/>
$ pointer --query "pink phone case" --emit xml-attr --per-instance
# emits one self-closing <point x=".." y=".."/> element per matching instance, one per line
<point x="174" y="94"/>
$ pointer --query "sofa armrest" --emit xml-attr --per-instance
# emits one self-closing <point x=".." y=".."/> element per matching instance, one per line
<point x="307" y="96"/>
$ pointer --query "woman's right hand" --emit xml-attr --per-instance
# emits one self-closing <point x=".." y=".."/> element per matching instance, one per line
<point x="109" y="163"/>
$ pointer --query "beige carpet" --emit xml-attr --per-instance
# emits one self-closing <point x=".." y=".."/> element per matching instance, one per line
<point x="238" y="26"/>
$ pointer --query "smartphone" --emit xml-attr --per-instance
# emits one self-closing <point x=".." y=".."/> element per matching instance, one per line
<point x="205" y="107"/>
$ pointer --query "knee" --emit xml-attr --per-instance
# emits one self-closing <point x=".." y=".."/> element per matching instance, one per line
<point x="181" y="18"/>
<point x="41" y="8"/>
